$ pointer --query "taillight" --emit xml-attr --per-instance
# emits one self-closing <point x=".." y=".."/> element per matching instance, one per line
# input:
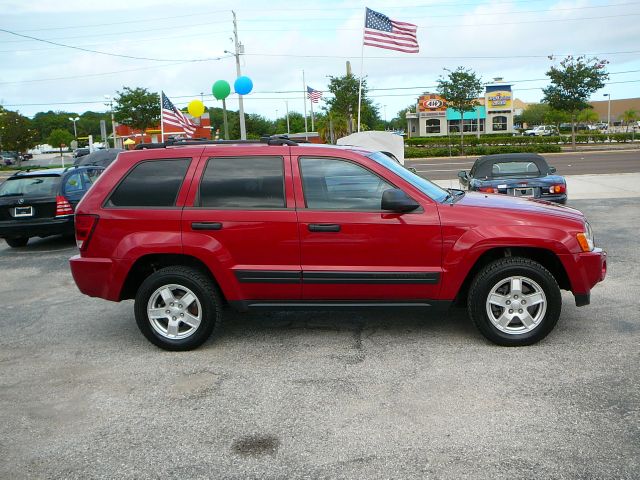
<point x="488" y="190"/>
<point x="85" y="225"/>
<point x="63" y="207"/>
<point x="560" y="188"/>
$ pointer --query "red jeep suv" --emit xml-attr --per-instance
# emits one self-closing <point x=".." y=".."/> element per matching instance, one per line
<point x="189" y="227"/>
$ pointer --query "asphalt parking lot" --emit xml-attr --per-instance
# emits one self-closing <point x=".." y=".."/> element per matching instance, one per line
<point x="379" y="394"/>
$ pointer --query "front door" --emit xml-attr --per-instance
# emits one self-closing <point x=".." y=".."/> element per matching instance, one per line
<point x="353" y="250"/>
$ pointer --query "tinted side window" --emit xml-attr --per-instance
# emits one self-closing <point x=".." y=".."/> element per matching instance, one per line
<point x="243" y="182"/>
<point x="153" y="183"/>
<point x="334" y="184"/>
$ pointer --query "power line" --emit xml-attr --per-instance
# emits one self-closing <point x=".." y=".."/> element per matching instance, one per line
<point x="109" y="53"/>
<point x="253" y="10"/>
<point x="316" y="19"/>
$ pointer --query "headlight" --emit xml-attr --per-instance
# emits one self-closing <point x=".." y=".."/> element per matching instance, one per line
<point x="586" y="239"/>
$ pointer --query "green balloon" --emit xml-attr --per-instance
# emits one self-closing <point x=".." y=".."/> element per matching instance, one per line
<point x="221" y="89"/>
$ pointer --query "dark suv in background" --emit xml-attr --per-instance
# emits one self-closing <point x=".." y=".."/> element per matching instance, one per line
<point x="41" y="203"/>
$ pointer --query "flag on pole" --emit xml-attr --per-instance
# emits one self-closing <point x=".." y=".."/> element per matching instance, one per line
<point x="382" y="32"/>
<point x="314" y="95"/>
<point x="172" y="116"/>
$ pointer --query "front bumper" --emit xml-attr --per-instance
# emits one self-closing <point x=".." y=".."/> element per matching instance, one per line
<point x="39" y="227"/>
<point x="585" y="270"/>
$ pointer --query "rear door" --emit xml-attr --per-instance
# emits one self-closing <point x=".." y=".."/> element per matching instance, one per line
<point x="241" y="220"/>
<point x="353" y="250"/>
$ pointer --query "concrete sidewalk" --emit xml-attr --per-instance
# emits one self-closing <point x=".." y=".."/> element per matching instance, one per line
<point x="584" y="187"/>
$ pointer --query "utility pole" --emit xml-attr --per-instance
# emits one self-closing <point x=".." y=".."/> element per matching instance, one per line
<point x="239" y="48"/>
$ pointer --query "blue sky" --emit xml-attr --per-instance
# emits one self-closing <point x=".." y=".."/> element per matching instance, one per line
<point x="501" y="38"/>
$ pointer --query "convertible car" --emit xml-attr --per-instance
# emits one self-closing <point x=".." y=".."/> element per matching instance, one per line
<point x="516" y="174"/>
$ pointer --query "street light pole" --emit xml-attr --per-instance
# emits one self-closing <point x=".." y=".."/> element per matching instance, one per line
<point x="286" y="104"/>
<point x="75" y="132"/>
<point x="608" y="95"/>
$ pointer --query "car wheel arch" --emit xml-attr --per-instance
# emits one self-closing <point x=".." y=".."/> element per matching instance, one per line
<point x="147" y="264"/>
<point x="546" y="257"/>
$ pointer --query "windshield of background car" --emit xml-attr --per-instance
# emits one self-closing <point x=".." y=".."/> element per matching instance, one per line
<point x="34" y="186"/>
<point x="430" y="189"/>
<point x="515" y="169"/>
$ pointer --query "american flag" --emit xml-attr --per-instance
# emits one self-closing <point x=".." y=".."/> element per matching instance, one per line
<point x="172" y="116"/>
<point x="314" y="95"/>
<point x="382" y="32"/>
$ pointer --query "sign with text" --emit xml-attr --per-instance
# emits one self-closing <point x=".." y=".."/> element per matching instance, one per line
<point x="499" y="98"/>
<point x="432" y="105"/>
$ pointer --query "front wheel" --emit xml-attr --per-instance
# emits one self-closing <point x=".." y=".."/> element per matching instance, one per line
<point x="514" y="301"/>
<point x="178" y="308"/>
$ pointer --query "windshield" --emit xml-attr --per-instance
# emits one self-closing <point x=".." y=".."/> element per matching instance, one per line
<point x="430" y="189"/>
<point x="35" y="186"/>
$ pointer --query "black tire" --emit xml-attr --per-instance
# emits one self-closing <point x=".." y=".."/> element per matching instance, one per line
<point x="17" y="241"/>
<point x="206" y="293"/>
<point x="498" y="271"/>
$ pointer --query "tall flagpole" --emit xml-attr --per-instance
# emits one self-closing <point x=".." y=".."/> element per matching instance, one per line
<point x="161" y="121"/>
<point x="361" y="69"/>
<point x="304" y="99"/>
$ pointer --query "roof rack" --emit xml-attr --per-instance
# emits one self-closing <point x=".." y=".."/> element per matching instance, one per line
<point x="172" y="142"/>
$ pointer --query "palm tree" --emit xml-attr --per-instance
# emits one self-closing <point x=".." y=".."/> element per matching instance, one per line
<point x="629" y="116"/>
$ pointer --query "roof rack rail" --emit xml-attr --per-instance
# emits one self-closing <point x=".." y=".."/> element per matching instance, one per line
<point x="171" y="142"/>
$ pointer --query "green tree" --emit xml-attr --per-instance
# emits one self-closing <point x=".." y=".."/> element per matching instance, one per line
<point x="60" y="137"/>
<point x="16" y="132"/>
<point x="534" y="114"/>
<point x="556" y="117"/>
<point x="588" y="115"/>
<point x="572" y="83"/>
<point x="344" y="102"/>
<point x="399" y="122"/>
<point x="296" y="123"/>
<point x="629" y="116"/>
<point x="461" y="89"/>
<point x="137" y="108"/>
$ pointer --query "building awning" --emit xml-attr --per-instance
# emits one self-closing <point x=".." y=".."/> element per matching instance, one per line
<point x="470" y="115"/>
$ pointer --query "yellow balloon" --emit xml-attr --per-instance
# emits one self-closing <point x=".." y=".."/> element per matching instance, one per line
<point x="195" y="108"/>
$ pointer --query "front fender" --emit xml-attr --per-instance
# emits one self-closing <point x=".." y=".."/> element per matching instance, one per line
<point x="463" y="246"/>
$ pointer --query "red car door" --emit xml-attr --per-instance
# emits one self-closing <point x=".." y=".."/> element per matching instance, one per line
<point x="350" y="248"/>
<point x="240" y="217"/>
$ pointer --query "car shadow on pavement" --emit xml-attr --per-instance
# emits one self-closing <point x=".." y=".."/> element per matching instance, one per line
<point x="42" y="245"/>
<point x="452" y="323"/>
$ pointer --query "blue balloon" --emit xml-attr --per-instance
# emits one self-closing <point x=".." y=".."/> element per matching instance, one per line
<point x="243" y="85"/>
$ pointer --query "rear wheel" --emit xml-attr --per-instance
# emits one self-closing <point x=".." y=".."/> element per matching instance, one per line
<point x="514" y="301"/>
<point x="178" y="308"/>
<point x="17" y="241"/>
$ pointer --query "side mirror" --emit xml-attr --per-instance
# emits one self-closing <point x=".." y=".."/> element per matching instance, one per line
<point x="396" y="200"/>
<point x="412" y="170"/>
<point x="552" y="169"/>
<point x="462" y="174"/>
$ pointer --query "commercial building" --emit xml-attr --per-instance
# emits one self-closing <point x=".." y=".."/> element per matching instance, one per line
<point x="494" y="114"/>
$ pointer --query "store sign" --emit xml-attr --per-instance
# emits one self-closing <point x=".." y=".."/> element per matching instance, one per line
<point x="431" y="105"/>
<point x="499" y="100"/>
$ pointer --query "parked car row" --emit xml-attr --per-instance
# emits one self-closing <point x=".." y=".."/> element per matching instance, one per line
<point x="40" y="203"/>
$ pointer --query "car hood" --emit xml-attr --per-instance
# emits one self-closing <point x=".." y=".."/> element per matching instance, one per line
<point x="514" y="204"/>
